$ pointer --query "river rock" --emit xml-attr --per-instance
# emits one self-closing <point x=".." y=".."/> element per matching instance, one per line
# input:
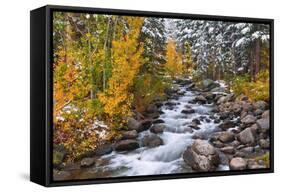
<point x="201" y="156"/>
<point x="133" y="124"/>
<point x="237" y="163"/>
<point x="209" y="84"/>
<point x="152" y="141"/>
<point x="218" y="89"/>
<point x="260" y="105"/>
<point x="227" y="124"/>
<point x="228" y="150"/>
<point x="157" y="128"/>
<point x="263" y="124"/>
<point x="157" y="121"/>
<point x="258" y="112"/>
<point x="226" y="137"/>
<point x="129" y="134"/>
<point x="188" y="111"/>
<point x="246" y="136"/>
<point x="264" y="143"/>
<point x="170" y="103"/>
<point x="200" y="99"/>
<point x="87" y="162"/>
<point x="221" y="100"/>
<point x="103" y="149"/>
<point x="265" y="114"/>
<point x="152" y="108"/>
<point x="127" y="145"/>
<point x="248" y="120"/>
<point x="197" y="121"/>
<point x="145" y="125"/>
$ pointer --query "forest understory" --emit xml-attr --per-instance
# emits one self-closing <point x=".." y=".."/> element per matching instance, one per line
<point x="149" y="96"/>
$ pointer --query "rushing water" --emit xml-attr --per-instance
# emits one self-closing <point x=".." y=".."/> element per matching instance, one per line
<point x="166" y="158"/>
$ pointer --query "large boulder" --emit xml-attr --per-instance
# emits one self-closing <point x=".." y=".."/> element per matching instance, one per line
<point x="263" y="124"/>
<point x="201" y="156"/>
<point x="246" y="136"/>
<point x="127" y="145"/>
<point x="249" y="119"/>
<point x="237" y="163"/>
<point x="152" y="141"/>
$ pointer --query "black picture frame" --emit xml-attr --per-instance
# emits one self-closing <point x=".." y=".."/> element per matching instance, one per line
<point x="41" y="94"/>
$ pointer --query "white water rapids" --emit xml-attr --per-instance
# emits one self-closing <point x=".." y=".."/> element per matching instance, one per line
<point x="167" y="158"/>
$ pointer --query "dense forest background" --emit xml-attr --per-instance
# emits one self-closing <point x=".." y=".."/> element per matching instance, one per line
<point x="108" y="66"/>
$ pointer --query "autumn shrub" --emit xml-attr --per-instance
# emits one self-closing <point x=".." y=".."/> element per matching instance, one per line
<point x="255" y="90"/>
<point x="146" y="88"/>
<point x="265" y="158"/>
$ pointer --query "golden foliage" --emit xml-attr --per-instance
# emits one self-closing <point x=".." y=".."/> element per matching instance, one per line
<point x="126" y="62"/>
<point x="174" y="60"/>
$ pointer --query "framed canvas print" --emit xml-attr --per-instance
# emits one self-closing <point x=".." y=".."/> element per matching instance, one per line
<point x="119" y="95"/>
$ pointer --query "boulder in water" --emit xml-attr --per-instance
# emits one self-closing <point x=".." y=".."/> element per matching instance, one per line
<point x="129" y="134"/>
<point x="246" y="136"/>
<point x="188" y="111"/>
<point x="127" y="145"/>
<point x="158" y="128"/>
<point x="152" y="141"/>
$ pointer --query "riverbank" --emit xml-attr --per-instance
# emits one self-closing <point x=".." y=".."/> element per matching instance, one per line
<point x="198" y="128"/>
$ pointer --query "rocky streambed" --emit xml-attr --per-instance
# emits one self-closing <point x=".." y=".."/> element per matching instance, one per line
<point x="196" y="129"/>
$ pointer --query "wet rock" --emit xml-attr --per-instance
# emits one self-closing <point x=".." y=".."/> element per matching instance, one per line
<point x="248" y="120"/>
<point x="170" y="103"/>
<point x="217" y="120"/>
<point x="227" y="124"/>
<point x="129" y="134"/>
<point x="194" y="125"/>
<point x="191" y="85"/>
<point x="196" y="121"/>
<point x="145" y="125"/>
<point x="246" y="136"/>
<point x="158" y="104"/>
<point x="157" y="121"/>
<point x="188" y="111"/>
<point x="152" y="141"/>
<point x="127" y="145"/>
<point x="201" y="156"/>
<point x="238" y="163"/>
<point x="103" y="149"/>
<point x="87" y="162"/>
<point x="263" y="124"/>
<point x="157" y="128"/>
<point x="200" y="99"/>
